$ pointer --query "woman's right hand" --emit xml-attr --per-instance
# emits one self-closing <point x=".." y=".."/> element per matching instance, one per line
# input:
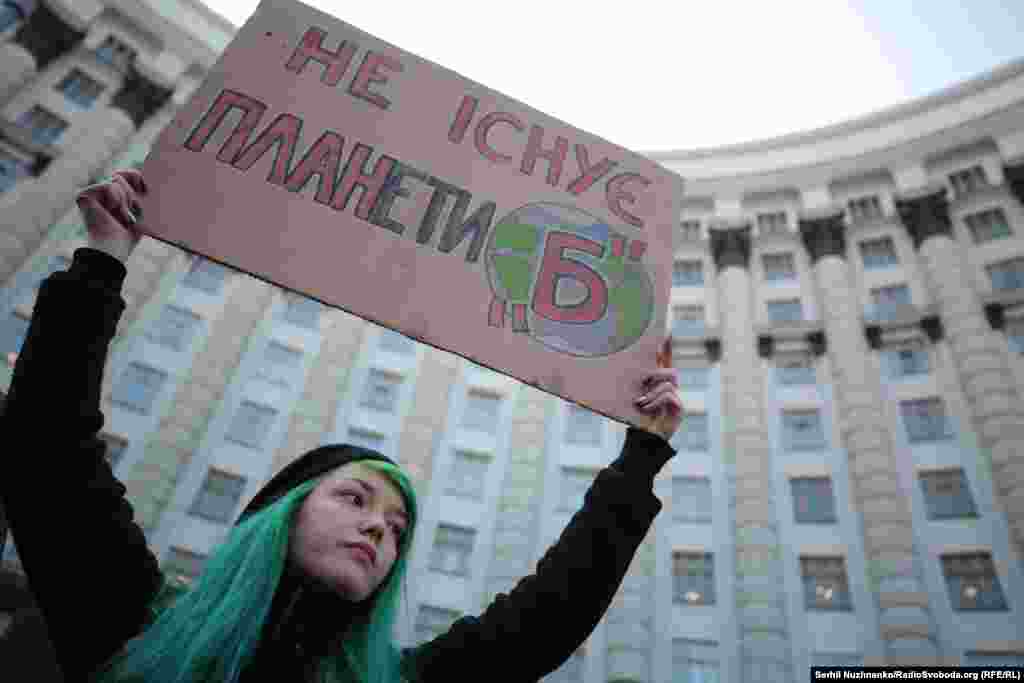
<point x="111" y="211"/>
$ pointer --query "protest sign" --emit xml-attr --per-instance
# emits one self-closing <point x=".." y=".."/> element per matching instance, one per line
<point x="328" y="162"/>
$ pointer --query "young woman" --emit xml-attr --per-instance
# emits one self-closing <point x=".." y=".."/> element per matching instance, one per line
<point x="306" y="585"/>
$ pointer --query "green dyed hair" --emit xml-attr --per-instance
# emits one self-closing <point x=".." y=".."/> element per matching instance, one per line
<point x="209" y="632"/>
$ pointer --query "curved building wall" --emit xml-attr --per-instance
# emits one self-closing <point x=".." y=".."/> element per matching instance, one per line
<point x="848" y="318"/>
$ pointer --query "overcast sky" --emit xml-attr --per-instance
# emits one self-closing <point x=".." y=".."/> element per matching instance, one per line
<point x="659" y="75"/>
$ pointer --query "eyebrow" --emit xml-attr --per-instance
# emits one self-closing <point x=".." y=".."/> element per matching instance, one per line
<point x="373" y="491"/>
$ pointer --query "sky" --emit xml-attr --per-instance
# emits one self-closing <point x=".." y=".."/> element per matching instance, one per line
<point x="656" y="76"/>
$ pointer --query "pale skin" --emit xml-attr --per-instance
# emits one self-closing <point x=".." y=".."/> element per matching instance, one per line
<point x="354" y="504"/>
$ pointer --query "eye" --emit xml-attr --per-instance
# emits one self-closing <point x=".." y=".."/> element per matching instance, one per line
<point x="357" y="498"/>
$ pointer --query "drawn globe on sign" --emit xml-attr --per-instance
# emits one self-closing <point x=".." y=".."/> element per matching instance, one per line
<point x="568" y="280"/>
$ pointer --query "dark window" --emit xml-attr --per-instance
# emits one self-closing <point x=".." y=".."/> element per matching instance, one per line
<point x="381" y="391"/>
<point x="251" y="424"/>
<point x="878" y="253"/>
<point x="12" y="169"/>
<point x="219" y="496"/>
<point x="453" y="547"/>
<point x="779" y="267"/>
<point x="687" y="321"/>
<point x="693" y="578"/>
<point x="969" y="180"/>
<point x="825" y="585"/>
<point x="802" y="430"/>
<point x="174" y="328"/>
<point x="947" y="495"/>
<point x="907" y="362"/>
<point x="115" y="53"/>
<point x="583" y="427"/>
<point x="138" y="387"/>
<point x="687" y="273"/>
<point x="691" y="499"/>
<point x="988" y="225"/>
<point x="795" y="372"/>
<point x="925" y="420"/>
<point x="972" y="582"/>
<point x="1007" y="275"/>
<point x="813" y="502"/>
<point x="44" y="126"/>
<point x="80" y="88"/>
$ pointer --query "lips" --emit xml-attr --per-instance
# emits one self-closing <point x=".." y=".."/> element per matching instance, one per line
<point x="370" y="553"/>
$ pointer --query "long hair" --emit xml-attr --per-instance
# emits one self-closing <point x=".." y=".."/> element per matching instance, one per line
<point x="209" y="632"/>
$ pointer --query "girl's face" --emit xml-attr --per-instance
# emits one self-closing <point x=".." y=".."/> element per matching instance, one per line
<point x="349" y="530"/>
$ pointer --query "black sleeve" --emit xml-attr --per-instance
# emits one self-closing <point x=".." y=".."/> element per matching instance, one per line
<point x="87" y="561"/>
<point x="531" y="631"/>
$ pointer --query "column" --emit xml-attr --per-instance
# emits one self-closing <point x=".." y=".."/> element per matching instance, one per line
<point x="906" y="625"/>
<point x="427" y="414"/>
<point x="764" y="648"/>
<point x="996" y="405"/>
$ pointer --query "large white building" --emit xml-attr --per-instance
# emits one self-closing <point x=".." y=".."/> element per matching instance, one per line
<point x="848" y="308"/>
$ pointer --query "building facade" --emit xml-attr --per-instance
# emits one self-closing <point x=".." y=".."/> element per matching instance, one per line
<point x="848" y="324"/>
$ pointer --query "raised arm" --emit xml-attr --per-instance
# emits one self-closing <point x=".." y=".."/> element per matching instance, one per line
<point x="87" y="562"/>
<point x="533" y="629"/>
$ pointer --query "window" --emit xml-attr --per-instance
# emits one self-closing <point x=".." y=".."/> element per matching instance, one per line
<point x="395" y="342"/>
<point x="779" y="267"/>
<point x="693" y="434"/>
<point x="1015" y="335"/>
<point x="303" y="311"/>
<point x="690" y="230"/>
<point x="12" y="336"/>
<point x="687" y="273"/>
<point x="785" y="311"/>
<point x="795" y="371"/>
<point x="115" y="53"/>
<point x="687" y="321"/>
<point x="251" y="424"/>
<point x="802" y="430"/>
<point x="381" y="391"/>
<point x="575" y="484"/>
<point x="279" y="363"/>
<point x="772" y="223"/>
<point x="481" y="412"/>
<point x="1007" y="275"/>
<point x="879" y="253"/>
<point x="967" y="181"/>
<point x="370" y="440"/>
<point x="864" y="209"/>
<point x="12" y="170"/>
<point x="890" y="302"/>
<point x="80" y="88"/>
<point x="583" y="427"/>
<point x="991" y="659"/>
<point x="9" y="16"/>
<point x="43" y="125"/>
<point x="453" y="546"/>
<point x="986" y="226"/>
<point x="836" y="659"/>
<point x="218" y="498"/>
<point x="184" y="564"/>
<point x="695" y="661"/>
<point x="693" y="578"/>
<point x="468" y="475"/>
<point x="174" y="328"/>
<point x="694" y="378"/>
<point x="571" y="670"/>
<point x="825" y="586"/>
<point x="205" y="275"/>
<point x="138" y="387"/>
<point x="947" y="495"/>
<point x="432" y="622"/>
<point x="907" y="362"/>
<point x="925" y="420"/>
<point x="813" y="502"/>
<point x="972" y="582"/>
<point x="115" y="449"/>
<point x="691" y="499"/>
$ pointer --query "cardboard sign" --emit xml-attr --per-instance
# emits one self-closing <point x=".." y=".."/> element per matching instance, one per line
<point x="333" y="164"/>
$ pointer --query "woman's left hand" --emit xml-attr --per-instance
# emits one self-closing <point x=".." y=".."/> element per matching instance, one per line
<point x="658" y="401"/>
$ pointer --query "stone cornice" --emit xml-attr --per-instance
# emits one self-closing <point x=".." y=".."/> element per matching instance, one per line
<point x="824" y="236"/>
<point x="730" y="246"/>
<point x="1014" y="172"/>
<point x="925" y="213"/>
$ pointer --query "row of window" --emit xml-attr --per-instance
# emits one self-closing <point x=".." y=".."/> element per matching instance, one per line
<point x="946" y="496"/>
<point x="971" y="581"/>
<point x="859" y="210"/>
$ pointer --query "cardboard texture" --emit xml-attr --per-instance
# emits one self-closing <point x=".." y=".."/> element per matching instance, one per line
<point x="333" y="164"/>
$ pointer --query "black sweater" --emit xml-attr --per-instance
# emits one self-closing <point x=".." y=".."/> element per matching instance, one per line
<point x="93" y="575"/>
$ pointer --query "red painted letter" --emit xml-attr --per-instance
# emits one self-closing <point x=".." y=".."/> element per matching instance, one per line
<point x="484" y="127"/>
<point x="226" y="101"/>
<point x="283" y="133"/>
<point x="368" y="73"/>
<point x="462" y="119"/>
<point x="555" y="155"/>
<point x="355" y="175"/>
<point x="311" y="47"/>
<point x="322" y="160"/>
<point x="588" y="174"/>
<point x="554" y="266"/>
<point x="616" y="194"/>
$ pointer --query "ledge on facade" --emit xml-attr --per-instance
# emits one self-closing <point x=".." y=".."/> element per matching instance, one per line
<point x="800" y="337"/>
<point x="986" y="192"/>
<point x="1002" y="305"/>
<point x="41" y="155"/>
<point x="704" y="346"/>
<point x="909" y="324"/>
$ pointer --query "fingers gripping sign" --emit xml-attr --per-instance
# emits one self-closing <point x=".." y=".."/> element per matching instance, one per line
<point x="659" y="401"/>
<point x="112" y="212"/>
